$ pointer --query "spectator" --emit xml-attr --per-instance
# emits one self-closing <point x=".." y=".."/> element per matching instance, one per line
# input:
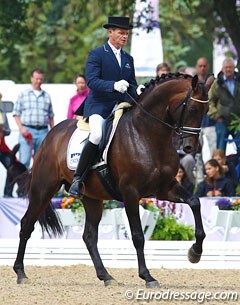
<point x="202" y="67"/>
<point x="5" y="151"/>
<point x="215" y="184"/>
<point x="186" y="160"/>
<point x="208" y="136"/>
<point x="110" y="74"/>
<point x="224" y="97"/>
<point x="77" y="100"/>
<point x="33" y="113"/>
<point x="162" y="68"/>
<point x="228" y="167"/>
<point x="182" y="69"/>
<point x="208" y="125"/>
<point x="183" y="180"/>
<point x="190" y="70"/>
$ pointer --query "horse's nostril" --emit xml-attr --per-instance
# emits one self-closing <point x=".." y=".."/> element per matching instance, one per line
<point x="188" y="149"/>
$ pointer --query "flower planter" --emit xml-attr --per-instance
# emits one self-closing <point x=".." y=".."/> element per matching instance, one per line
<point x="70" y="218"/>
<point x="116" y="218"/>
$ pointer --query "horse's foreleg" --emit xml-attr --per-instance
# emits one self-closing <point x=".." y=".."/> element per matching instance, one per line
<point x="195" y="252"/>
<point x="179" y="194"/>
<point x="93" y="210"/>
<point x="139" y="241"/>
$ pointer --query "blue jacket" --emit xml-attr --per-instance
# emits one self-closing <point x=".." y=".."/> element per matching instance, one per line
<point x="223" y="185"/>
<point x="102" y="71"/>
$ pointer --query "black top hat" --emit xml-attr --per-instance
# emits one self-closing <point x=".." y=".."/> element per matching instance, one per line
<point x="118" y="22"/>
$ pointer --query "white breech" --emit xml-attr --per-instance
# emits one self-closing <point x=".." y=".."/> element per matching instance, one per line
<point x="96" y="125"/>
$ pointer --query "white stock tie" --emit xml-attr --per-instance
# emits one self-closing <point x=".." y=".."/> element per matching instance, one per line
<point x="118" y="56"/>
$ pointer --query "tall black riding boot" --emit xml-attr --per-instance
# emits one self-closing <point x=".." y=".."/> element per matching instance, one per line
<point x="86" y="160"/>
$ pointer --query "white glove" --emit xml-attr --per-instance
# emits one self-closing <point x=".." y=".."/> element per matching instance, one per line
<point x="139" y="89"/>
<point x="121" y="86"/>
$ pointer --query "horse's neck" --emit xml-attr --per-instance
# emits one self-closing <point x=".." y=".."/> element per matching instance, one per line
<point x="151" y="115"/>
<point x="143" y="128"/>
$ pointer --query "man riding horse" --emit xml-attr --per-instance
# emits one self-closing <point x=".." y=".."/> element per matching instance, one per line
<point x="110" y="74"/>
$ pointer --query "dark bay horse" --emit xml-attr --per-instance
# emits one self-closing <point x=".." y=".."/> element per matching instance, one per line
<point x="142" y="161"/>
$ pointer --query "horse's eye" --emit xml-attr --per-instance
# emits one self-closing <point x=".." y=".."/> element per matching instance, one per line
<point x="192" y="109"/>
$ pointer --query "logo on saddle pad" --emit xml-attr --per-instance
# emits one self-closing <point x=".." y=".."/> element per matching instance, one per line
<point x="75" y="147"/>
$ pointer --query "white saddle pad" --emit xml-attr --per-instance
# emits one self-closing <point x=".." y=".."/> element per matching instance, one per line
<point x="75" y="147"/>
<point x="76" y="141"/>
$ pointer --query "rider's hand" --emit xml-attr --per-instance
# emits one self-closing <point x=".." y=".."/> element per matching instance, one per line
<point x="121" y="86"/>
<point x="140" y="89"/>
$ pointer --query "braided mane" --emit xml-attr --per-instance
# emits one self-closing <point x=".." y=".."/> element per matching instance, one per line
<point x="164" y="78"/>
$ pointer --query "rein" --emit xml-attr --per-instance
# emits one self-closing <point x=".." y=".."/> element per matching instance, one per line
<point x="149" y="114"/>
<point x="180" y="130"/>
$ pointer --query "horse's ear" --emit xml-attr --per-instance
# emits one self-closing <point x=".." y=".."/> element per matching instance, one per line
<point x="194" y="82"/>
<point x="209" y="82"/>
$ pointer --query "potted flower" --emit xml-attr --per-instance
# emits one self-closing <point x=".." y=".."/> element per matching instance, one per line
<point x="228" y="204"/>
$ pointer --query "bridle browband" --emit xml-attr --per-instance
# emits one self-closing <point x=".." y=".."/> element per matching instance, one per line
<point x="180" y="129"/>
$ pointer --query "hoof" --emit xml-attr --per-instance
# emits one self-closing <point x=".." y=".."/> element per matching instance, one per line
<point x="111" y="282"/>
<point x="153" y="284"/>
<point x="21" y="277"/>
<point x="193" y="257"/>
<point x="23" y="280"/>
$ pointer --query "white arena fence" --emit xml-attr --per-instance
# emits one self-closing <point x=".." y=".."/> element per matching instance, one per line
<point x="121" y="253"/>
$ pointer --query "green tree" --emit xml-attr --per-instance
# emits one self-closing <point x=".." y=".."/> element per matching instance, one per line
<point x="189" y="27"/>
<point x="58" y="36"/>
<point x="182" y="32"/>
<point x="13" y="30"/>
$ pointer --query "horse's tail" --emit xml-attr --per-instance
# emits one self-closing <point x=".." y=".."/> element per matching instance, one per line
<point x="51" y="222"/>
<point x="49" y="219"/>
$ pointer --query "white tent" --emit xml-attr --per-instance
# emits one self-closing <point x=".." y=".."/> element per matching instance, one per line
<point x="146" y="48"/>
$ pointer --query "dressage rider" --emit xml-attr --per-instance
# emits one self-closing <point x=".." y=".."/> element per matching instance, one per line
<point x="110" y="74"/>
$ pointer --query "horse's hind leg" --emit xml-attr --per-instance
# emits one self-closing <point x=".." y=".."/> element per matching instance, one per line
<point x="27" y="227"/>
<point x="93" y="210"/>
<point x="38" y="201"/>
<point x="139" y="241"/>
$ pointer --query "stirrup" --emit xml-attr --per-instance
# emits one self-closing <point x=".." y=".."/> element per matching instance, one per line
<point x="77" y="194"/>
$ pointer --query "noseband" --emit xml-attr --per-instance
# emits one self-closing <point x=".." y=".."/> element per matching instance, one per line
<point x="180" y="129"/>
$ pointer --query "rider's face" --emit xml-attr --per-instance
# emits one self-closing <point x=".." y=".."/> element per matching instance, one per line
<point x="118" y="37"/>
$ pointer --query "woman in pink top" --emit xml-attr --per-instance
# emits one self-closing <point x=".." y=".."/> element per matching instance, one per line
<point x="76" y="101"/>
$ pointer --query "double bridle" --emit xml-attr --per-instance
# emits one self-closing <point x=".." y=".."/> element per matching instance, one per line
<point x="180" y="129"/>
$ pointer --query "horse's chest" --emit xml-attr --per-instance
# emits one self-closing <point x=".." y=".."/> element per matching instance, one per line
<point x="167" y="173"/>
